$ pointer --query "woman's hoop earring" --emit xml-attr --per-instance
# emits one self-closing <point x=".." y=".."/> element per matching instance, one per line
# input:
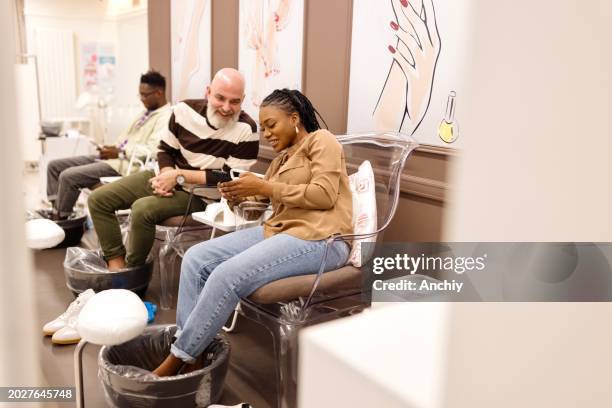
<point x="296" y="130"/>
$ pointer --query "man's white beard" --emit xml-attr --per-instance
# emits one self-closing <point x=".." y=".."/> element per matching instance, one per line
<point x="219" y="121"/>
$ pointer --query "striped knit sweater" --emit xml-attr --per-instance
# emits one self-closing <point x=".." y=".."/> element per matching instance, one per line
<point x="192" y="143"/>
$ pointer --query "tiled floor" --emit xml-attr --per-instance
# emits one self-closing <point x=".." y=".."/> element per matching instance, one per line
<point x="249" y="377"/>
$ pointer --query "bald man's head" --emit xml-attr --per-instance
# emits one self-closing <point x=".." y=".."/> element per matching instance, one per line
<point x="229" y="77"/>
<point x="225" y="95"/>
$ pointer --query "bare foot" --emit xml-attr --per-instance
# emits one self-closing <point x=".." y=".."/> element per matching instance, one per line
<point x="196" y="365"/>
<point x="116" y="264"/>
<point x="170" y="366"/>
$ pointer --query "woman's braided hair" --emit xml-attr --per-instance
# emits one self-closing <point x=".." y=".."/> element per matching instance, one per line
<point x="292" y="100"/>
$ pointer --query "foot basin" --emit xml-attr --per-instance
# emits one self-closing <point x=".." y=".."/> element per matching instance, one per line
<point x="128" y="382"/>
<point x="73" y="226"/>
<point x="74" y="229"/>
<point x="84" y="269"/>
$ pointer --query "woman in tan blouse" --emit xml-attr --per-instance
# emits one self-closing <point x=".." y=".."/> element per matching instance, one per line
<point x="308" y="187"/>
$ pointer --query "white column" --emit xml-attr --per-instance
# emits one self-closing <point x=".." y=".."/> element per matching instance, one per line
<point x="536" y="163"/>
<point x="18" y="339"/>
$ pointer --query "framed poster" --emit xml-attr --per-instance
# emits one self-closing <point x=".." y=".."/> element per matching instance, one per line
<point x="98" y="66"/>
<point x="407" y="68"/>
<point x="270" y="49"/>
<point x="191" y="48"/>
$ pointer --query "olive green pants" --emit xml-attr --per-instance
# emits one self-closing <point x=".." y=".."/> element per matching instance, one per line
<point x="148" y="210"/>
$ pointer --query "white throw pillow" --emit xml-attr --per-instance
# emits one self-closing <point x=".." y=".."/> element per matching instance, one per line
<point x="42" y="233"/>
<point x="112" y="317"/>
<point x="364" y="210"/>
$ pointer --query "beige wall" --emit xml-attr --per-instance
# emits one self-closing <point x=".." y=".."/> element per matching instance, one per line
<point x="224" y="34"/>
<point x="159" y="40"/>
<point x="325" y="77"/>
<point x="327" y="45"/>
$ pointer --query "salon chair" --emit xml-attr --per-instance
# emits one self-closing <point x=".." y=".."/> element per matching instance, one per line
<point x="175" y="235"/>
<point x="288" y="305"/>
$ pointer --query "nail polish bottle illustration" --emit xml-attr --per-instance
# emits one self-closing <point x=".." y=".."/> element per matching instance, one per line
<point x="448" y="130"/>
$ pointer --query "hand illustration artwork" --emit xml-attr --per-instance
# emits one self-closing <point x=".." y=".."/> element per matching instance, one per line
<point x="281" y="15"/>
<point x="260" y="33"/>
<point x="189" y="43"/>
<point x="253" y="33"/>
<point x="406" y="94"/>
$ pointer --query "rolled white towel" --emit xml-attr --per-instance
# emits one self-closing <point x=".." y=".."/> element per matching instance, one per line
<point x="112" y="317"/>
<point x="42" y="233"/>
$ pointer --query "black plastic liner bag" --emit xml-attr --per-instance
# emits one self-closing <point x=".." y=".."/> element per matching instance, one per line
<point x="125" y="371"/>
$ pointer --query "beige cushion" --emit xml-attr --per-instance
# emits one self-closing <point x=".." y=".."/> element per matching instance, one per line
<point x="364" y="211"/>
<point x="347" y="277"/>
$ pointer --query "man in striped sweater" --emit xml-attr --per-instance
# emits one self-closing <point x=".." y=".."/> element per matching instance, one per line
<point x="205" y="138"/>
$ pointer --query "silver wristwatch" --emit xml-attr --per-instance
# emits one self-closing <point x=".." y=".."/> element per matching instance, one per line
<point x="180" y="179"/>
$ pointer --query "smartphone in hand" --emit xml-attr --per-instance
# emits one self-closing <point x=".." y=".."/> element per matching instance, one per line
<point x="235" y="173"/>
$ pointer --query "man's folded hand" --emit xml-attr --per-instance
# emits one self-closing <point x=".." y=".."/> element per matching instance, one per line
<point x="109" y="152"/>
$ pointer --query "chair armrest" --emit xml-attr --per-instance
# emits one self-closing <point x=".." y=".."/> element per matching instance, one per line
<point x="330" y="241"/>
<point x="196" y="186"/>
<point x="192" y="190"/>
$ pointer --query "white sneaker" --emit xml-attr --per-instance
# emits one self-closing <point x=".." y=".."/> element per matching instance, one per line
<point x="67" y="334"/>
<point x="73" y="311"/>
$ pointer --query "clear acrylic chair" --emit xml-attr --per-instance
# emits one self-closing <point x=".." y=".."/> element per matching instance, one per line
<point x="287" y="305"/>
<point x="250" y="213"/>
<point x="247" y="214"/>
<point x="175" y="236"/>
<point x="140" y="159"/>
<point x="186" y="232"/>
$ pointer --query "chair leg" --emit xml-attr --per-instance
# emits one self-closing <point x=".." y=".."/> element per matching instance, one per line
<point x="167" y="275"/>
<point x="171" y="251"/>
<point x="232" y="326"/>
<point x="78" y="374"/>
<point x="286" y="353"/>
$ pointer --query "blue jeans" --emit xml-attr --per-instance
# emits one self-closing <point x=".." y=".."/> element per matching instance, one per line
<point x="215" y="274"/>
